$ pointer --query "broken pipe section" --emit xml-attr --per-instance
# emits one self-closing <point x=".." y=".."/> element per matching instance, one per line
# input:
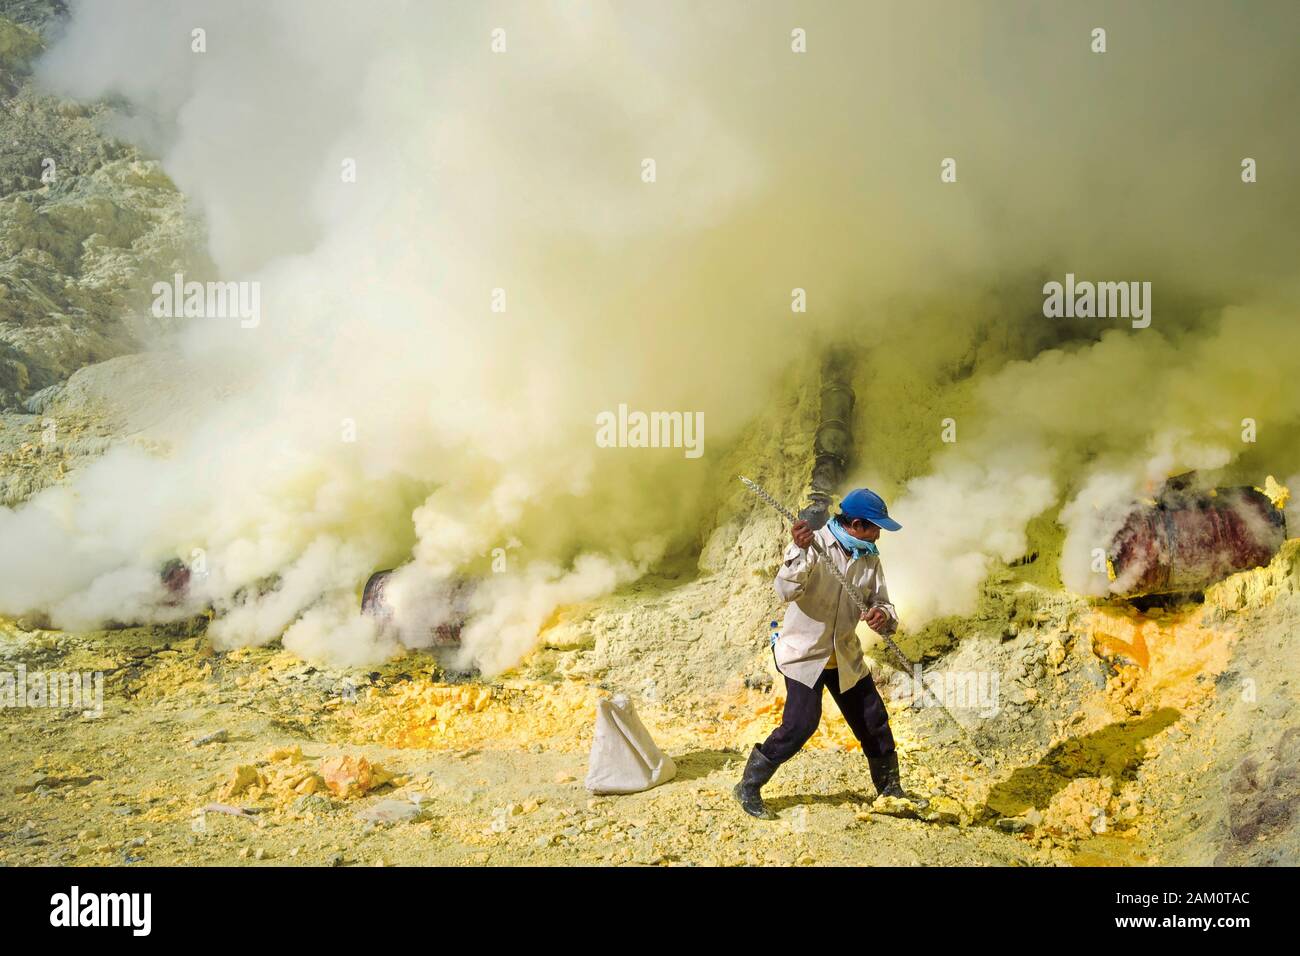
<point x="444" y="623"/>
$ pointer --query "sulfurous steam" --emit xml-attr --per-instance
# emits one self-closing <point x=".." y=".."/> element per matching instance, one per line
<point x="439" y="334"/>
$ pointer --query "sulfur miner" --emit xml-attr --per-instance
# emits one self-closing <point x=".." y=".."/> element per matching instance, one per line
<point x="818" y="647"/>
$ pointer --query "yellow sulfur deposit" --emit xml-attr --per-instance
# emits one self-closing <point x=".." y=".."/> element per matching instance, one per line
<point x="430" y="714"/>
<point x="182" y="676"/>
<point x="242" y="779"/>
<point x="285" y="774"/>
<point x="1276" y="492"/>
<point x="1162" y="660"/>
<point x="290" y="772"/>
<point x="1084" y="807"/>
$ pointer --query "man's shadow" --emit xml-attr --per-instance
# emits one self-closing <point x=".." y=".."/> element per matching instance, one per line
<point x="701" y="763"/>
<point x="777" y="804"/>
<point x="1115" y="751"/>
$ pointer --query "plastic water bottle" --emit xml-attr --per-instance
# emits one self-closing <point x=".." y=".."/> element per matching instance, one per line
<point x="773" y="634"/>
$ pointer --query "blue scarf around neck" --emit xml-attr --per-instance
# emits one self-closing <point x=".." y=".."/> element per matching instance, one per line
<point x="855" y="546"/>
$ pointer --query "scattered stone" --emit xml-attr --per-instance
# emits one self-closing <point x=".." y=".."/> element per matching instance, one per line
<point x="53" y="783"/>
<point x="894" y="807"/>
<point x="242" y="778"/>
<point x="216" y="737"/>
<point x="942" y="810"/>
<point x="348" y="776"/>
<point x="391" y="811"/>
<point x="1092" y="670"/>
<point x="1056" y="652"/>
<point x="313" y="803"/>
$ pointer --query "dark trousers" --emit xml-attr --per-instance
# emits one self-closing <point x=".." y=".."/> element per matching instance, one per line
<point x="861" y="706"/>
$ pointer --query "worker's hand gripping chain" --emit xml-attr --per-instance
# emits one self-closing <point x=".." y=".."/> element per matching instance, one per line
<point x="908" y="665"/>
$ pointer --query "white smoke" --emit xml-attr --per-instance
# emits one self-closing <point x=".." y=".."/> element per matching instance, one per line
<point x="1094" y="430"/>
<point x="475" y="172"/>
<point x="522" y="171"/>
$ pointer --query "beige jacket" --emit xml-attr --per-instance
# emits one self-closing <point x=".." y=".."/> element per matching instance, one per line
<point x="822" y="616"/>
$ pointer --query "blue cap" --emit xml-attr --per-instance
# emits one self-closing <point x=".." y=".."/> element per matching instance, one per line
<point x="866" y="504"/>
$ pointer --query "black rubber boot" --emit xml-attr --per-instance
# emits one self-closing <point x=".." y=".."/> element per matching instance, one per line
<point x="758" y="771"/>
<point x="885" y="775"/>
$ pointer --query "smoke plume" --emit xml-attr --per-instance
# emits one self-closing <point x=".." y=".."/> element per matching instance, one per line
<point x="383" y="413"/>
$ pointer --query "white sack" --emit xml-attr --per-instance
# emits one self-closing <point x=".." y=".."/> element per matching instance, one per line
<point x="624" y="759"/>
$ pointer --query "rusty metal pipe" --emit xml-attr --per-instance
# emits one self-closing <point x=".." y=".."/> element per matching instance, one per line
<point x="833" y="441"/>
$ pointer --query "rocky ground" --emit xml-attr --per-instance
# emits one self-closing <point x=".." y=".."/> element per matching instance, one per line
<point x="1120" y="738"/>
<point x="483" y="773"/>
